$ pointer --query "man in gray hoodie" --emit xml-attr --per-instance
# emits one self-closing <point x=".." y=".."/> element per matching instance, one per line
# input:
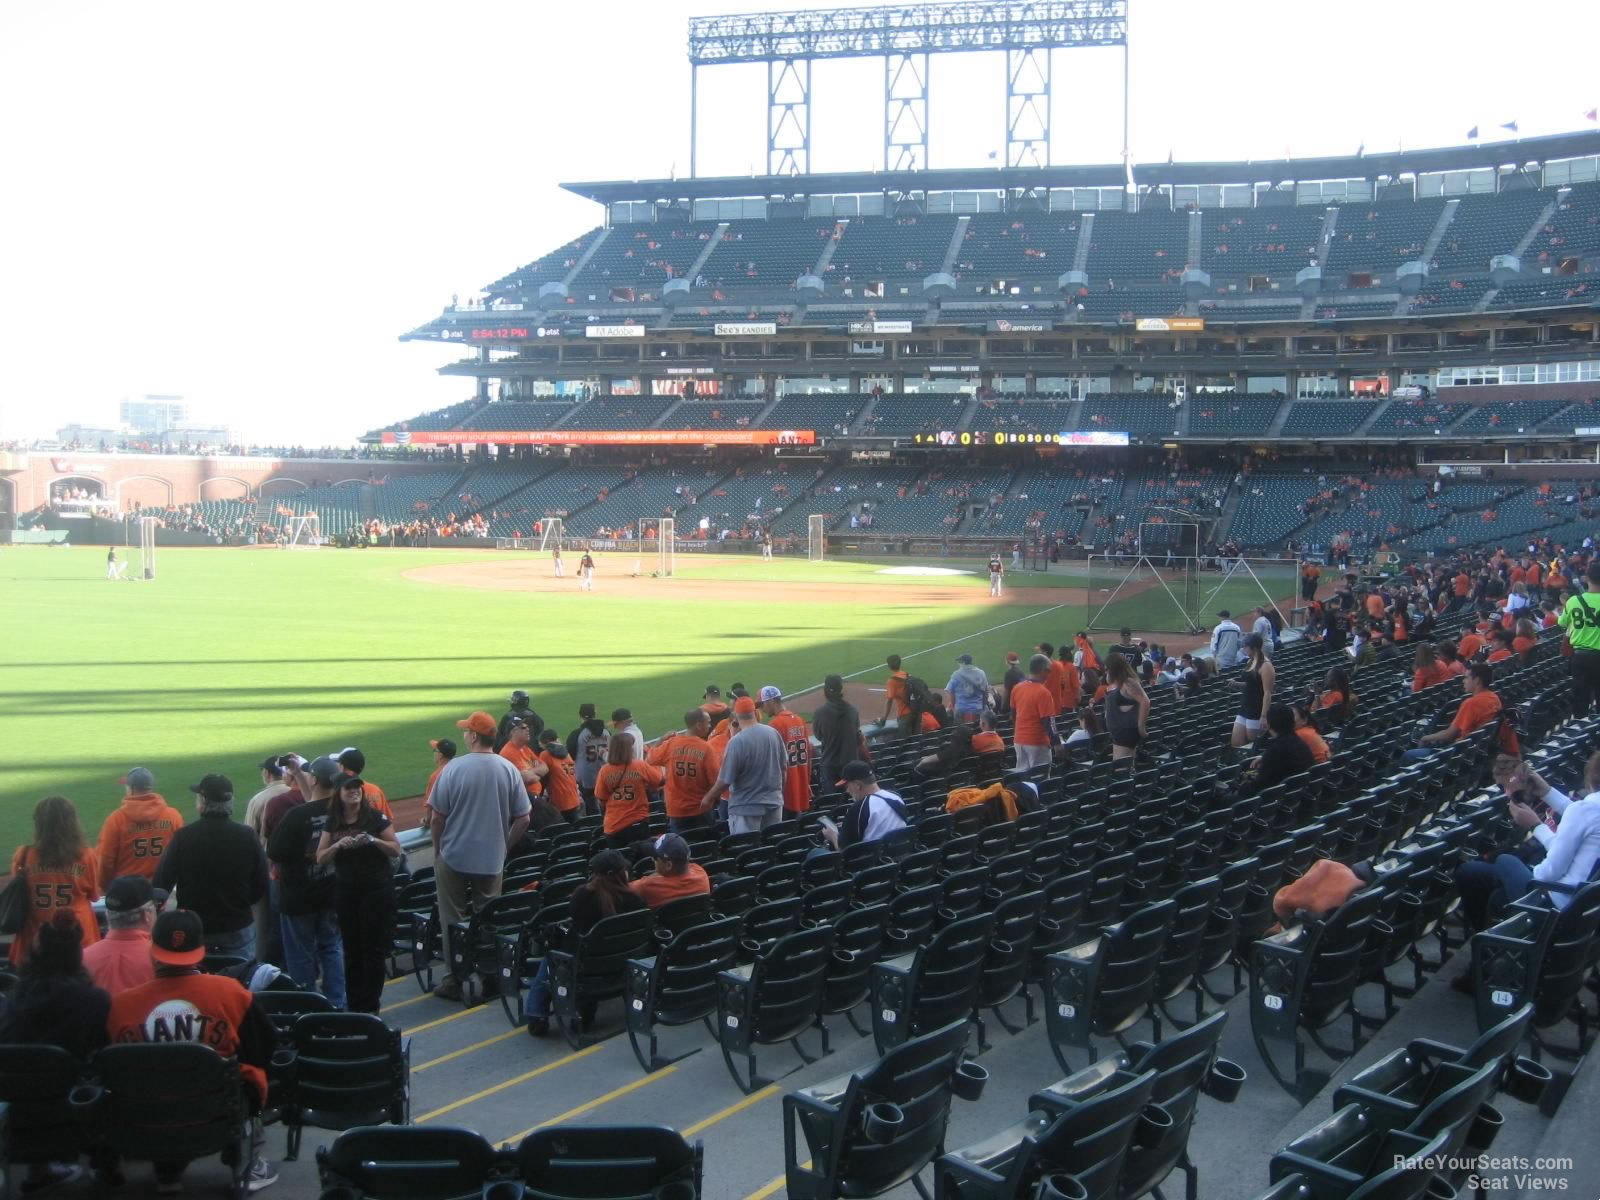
<point x="968" y="689"/>
<point x="1225" y="640"/>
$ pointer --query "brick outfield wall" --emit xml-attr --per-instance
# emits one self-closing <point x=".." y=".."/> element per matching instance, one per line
<point x="158" y="480"/>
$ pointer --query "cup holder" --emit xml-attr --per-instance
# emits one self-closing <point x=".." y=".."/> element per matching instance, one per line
<point x="503" y="1189"/>
<point x="283" y="1058"/>
<point x="883" y="1123"/>
<point x="84" y="1097"/>
<point x="843" y="957"/>
<point x="969" y="1080"/>
<point x="946" y="915"/>
<point x="1223" y="1081"/>
<point x="1527" y="1080"/>
<point x="1155" y="1123"/>
<point x="1486" y="1126"/>
<point x="677" y="1189"/>
<point x="1061" y="1187"/>
<point x="1438" y="1189"/>
<point x="750" y="946"/>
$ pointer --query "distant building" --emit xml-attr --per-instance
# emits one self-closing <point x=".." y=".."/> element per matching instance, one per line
<point x="154" y="415"/>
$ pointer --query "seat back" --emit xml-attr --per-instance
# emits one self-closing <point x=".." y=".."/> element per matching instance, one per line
<point x="413" y="1162"/>
<point x="1008" y="873"/>
<point x="920" y="868"/>
<point x="946" y="974"/>
<point x="1091" y="1140"/>
<point x="350" y="1069"/>
<point x="602" y="954"/>
<point x="170" y="1101"/>
<point x="283" y="1009"/>
<point x="1409" y="1176"/>
<point x="963" y="891"/>
<point x="1453" y="1110"/>
<point x="875" y="884"/>
<point x="1567" y="957"/>
<point x="826" y="904"/>
<point x="913" y="912"/>
<point x="505" y="914"/>
<point x="771" y="919"/>
<point x="1498" y="1041"/>
<point x="1335" y="967"/>
<point x="34" y="1084"/>
<point x="687" y="967"/>
<point x="1180" y="956"/>
<point x="1128" y="958"/>
<point x="858" y="941"/>
<point x="675" y="916"/>
<point x="605" y="1162"/>
<point x="787" y="981"/>
<point x="1005" y="964"/>
<point x="1181" y="1063"/>
<point x="915" y="1076"/>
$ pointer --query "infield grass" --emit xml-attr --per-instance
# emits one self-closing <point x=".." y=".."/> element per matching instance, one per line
<point x="232" y="654"/>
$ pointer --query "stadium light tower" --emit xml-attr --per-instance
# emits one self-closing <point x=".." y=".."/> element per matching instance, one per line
<point x="904" y="36"/>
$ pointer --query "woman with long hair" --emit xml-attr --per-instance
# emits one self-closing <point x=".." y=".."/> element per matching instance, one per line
<point x="62" y="873"/>
<point x="623" y="788"/>
<point x="1127" y="708"/>
<point x="1427" y="670"/>
<point x="1527" y="637"/>
<point x="1336" y="699"/>
<point x="1256" y="681"/>
<point x="1306" y="730"/>
<point x="604" y="894"/>
<point x="55" y="1004"/>
<point x="359" y="841"/>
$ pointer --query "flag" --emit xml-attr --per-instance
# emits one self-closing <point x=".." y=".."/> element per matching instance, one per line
<point x="1472" y="133"/>
<point x="1593" y="114"/>
<point x="1510" y="125"/>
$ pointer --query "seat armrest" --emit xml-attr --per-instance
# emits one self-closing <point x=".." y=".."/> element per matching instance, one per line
<point x="1083" y="952"/>
<point x="1079" y="1086"/>
<point x="1001" y="1147"/>
<point x="1323" y="1141"/>
<point x="740" y="975"/>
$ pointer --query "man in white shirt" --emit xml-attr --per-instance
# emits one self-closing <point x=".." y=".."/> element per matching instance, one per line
<point x="1571" y="848"/>
<point x="876" y="813"/>
<point x="1225" y="641"/>
<point x="1263" y="626"/>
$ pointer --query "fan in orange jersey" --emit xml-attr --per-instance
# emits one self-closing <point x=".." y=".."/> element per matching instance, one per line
<point x="136" y="834"/>
<point x="690" y="763"/>
<point x="796" y="750"/>
<point x="560" y="777"/>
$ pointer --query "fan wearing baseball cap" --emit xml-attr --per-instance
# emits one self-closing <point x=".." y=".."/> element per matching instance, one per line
<point x="181" y="1004"/>
<point x="752" y="772"/>
<point x="138" y="831"/>
<point x="121" y="960"/>
<point x="876" y="812"/>
<point x="796" y="749"/>
<point x="217" y="869"/>
<point x="478" y="810"/>
<point x="675" y="876"/>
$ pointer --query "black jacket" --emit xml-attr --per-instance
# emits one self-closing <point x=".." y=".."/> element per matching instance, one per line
<point x="533" y="720"/>
<point x="837" y="725"/>
<point x="1281" y="757"/>
<point x="56" y="1011"/>
<point x="216" y="866"/>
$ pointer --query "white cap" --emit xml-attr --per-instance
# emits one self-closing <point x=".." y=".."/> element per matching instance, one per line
<point x="770" y="693"/>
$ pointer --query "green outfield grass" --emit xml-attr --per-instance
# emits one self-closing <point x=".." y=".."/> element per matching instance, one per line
<point x="234" y="654"/>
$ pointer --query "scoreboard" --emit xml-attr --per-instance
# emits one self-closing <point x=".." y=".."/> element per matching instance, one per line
<point x="960" y="439"/>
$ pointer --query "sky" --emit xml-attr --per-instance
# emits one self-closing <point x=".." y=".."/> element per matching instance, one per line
<point x="246" y="204"/>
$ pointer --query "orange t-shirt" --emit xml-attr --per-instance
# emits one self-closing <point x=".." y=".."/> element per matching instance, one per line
<point x="1329" y="699"/>
<point x="718" y="738"/>
<point x="656" y="890"/>
<point x="623" y="793"/>
<point x="1476" y="711"/>
<point x="1375" y="606"/>
<point x="717" y="711"/>
<point x="896" y="688"/>
<point x="1091" y="660"/>
<point x="986" y="741"/>
<point x="1032" y="704"/>
<point x="1499" y="655"/>
<point x="797" y="758"/>
<point x="373" y="795"/>
<point x="1065" y="684"/>
<point x="135" y="836"/>
<point x="929" y="723"/>
<point x="1518" y="574"/>
<point x="690" y="765"/>
<point x="1424" y="677"/>
<point x="1535" y="576"/>
<point x="1469" y="645"/>
<point x="1523" y="644"/>
<point x="1319" y="748"/>
<point x="521" y="757"/>
<point x="427" y="789"/>
<point x="1463" y="586"/>
<point x="74" y="888"/>
<point x="561" y="785"/>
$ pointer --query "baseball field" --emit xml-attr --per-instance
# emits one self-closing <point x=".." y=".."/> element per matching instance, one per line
<point x="231" y="654"/>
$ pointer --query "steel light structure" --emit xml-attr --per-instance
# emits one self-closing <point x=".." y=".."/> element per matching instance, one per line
<point x="905" y="36"/>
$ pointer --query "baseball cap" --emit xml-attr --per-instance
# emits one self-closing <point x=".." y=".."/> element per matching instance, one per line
<point x="352" y="781"/>
<point x="713" y="690"/>
<point x="965" y="659"/>
<point x="519" y="697"/>
<point x="178" y="940"/>
<point x="744" y="707"/>
<point x="621" y="714"/>
<point x="549" y="735"/>
<point x="855" y="771"/>
<point x="129" y="892"/>
<point x="140" y="779"/>
<point x="213" y="787"/>
<point x="271" y="764"/>
<point x="770" y="693"/>
<point x="585" y="711"/>
<point x="516" y="723"/>
<point x="444" y="746"/>
<point x="672" y="847"/>
<point x="480" y="723"/>
<point x="325" y="770"/>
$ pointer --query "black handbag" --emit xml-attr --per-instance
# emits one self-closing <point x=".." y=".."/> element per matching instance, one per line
<point x="14" y="903"/>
